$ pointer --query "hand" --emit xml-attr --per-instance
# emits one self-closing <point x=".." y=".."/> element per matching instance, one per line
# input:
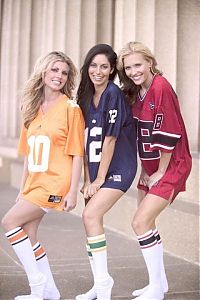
<point x="154" y="178"/>
<point x="95" y="186"/>
<point x="144" y="178"/>
<point x="84" y="189"/>
<point x="70" y="201"/>
<point x="18" y="196"/>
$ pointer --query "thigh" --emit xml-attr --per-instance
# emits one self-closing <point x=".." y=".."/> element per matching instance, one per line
<point x="150" y="208"/>
<point x="141" y="195"/>
<point x="102" y="201"/>
<point x="22" y="213"/>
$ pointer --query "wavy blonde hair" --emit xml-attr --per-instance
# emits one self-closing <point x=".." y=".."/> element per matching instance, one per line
<point x="32" y="95"/>
<point x="129" y="88"/>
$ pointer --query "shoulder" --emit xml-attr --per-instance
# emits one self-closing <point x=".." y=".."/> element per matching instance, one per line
<point x="113" y="87"/>
<point x="114" y="90"/>
<point x="72" y="103"/>
<point x="161" y="83"/>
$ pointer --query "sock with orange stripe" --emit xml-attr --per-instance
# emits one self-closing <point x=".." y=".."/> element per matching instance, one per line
<point x="23" y="249"/>
<point x="51" y="292"/>
<point x="103" y="281"/>
<point x="150" y="251"/>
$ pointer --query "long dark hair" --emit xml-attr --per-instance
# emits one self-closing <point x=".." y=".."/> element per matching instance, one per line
<point x="86" y="87"/>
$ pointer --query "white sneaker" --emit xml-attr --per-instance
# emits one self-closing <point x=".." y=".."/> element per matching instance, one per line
<point x="51" y="294"/>
<point x="104" y="289"/>
<point x="37" y="289"/>
<point x="90" y="295"/>
<point x="27" y="297"/>
<point x="152" y="293"/>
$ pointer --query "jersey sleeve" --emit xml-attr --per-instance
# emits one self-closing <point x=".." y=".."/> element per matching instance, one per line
<point x="115" y="113"/>
<point x="75" y="137"/>
<point x="22" y="144"/>
<point x="167" y="126"/>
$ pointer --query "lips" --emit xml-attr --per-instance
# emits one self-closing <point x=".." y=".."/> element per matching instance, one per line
<point x="57" y="82"/>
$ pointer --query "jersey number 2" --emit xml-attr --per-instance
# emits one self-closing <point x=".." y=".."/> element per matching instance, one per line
<point x="95" y="146"/>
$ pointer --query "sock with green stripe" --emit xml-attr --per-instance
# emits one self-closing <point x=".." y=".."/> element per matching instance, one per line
<point x="103" y="281"/>
<point x="92" y="293"/>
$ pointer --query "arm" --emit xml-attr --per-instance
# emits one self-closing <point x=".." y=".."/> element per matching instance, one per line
<point x="163" y="165"/>
<point x="70" y="199"/>
<point x="106" y="157"/>
<point x="84" y="189"/>
<point x="24" y="177"/>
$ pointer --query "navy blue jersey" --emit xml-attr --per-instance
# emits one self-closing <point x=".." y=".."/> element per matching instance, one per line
<point x="112" y="117"/>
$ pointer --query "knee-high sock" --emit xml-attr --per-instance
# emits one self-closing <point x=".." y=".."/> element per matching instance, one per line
<point x="90" y="257"/>
<point x="44" y="267"/>
<point x="151" y="254"/>
<point x="163" y="274"/>
<point x="98" y="249"/>
<point x="103" y="281"/>
<point x="162" y="270"/>
<point x="23" y="249"/>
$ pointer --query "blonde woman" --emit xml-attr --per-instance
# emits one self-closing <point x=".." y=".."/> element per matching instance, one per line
<point x="164" y="154"/>
<point x="52" y="142"/>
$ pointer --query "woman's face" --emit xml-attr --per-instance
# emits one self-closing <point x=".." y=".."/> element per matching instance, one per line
<point x="56" y="76"/>
<point x="99" y="70"/>
<point x="137" y="68"/>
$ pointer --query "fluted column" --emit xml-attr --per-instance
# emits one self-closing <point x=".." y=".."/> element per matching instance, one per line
<point x="166" y="12"/>
<point x="125" y="22"/>
<point x="145" y="22"/>
<point x="14" y="63"/>
<point x="188" y="84"/>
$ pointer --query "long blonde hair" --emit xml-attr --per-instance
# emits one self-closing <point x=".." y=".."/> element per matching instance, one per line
<point x="34" y="88"/>
<point x="129" y="88"/>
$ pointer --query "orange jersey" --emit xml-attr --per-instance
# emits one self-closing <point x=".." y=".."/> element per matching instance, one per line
<point x="50" y="143"/>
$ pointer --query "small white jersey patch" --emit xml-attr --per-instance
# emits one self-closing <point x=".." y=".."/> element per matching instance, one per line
<point x="117" y="178"/>
<point x="73" y="103"/>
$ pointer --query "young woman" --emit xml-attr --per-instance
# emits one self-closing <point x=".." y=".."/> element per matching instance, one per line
<point x="164" y="153"/>
<point x="52" y="140"/>
<point x="110" y="156"/>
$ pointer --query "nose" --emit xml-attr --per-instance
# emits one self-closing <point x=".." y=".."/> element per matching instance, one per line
<point x="133" y="71"/>
<point x="59" y="74"/>
<point x="98" y="69"/>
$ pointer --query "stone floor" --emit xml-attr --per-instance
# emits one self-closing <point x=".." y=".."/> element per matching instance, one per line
<point x="62" y="235"/>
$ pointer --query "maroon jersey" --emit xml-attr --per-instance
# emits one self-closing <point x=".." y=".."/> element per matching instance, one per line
<point x="160" y="127"/>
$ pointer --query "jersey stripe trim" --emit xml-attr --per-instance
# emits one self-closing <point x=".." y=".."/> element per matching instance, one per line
<point x="164" y="140"/>
<point x="161" y="146"/>
<point x="166" y="133"/>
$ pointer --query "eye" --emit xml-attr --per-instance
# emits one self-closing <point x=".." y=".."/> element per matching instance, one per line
<point x="127" y="68"/>
<point x="54" y="69"/>
<point x="93" y="65"/>
<point x="104" y="67"/>
<point x="65" y="73"/>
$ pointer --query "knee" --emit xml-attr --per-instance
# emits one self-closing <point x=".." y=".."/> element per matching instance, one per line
<point x="140" y="225"/>
<point x="6" y="223"/>
<point x="87" y="217"/>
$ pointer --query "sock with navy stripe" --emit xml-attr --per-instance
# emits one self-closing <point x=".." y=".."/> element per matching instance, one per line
<point x="162" y="270"/>
<point x="150" y="251"/>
